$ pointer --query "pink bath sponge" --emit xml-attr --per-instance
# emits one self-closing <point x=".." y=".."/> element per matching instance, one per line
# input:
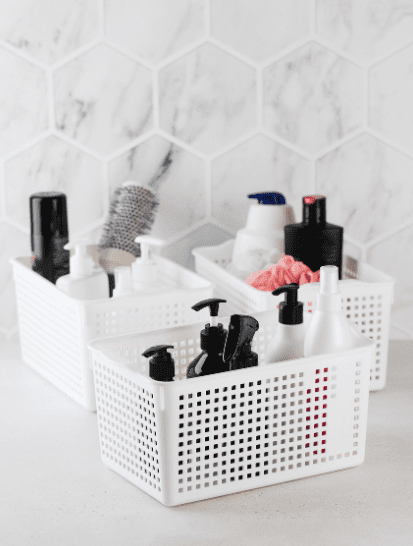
<point x="286" y="271"/>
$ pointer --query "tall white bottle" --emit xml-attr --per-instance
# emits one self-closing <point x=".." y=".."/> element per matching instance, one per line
<point x="145" y="278"/>
<point x="288" y="342"/>
<point x="85" y="281"/>
<point x="329" y="330"/>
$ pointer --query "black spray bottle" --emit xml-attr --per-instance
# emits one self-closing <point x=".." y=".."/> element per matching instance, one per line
<point x="161" y="365"/>
<point x="314" y="241"/>
<point x="237" y="351"/>
<point x="213" y="338"/>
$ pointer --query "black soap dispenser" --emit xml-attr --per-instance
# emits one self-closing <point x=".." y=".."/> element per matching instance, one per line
<point x="237" y="351"/>
<point x="213" y="338"/>
<point x="314" y="241"/>
<point x="161" y="366"/>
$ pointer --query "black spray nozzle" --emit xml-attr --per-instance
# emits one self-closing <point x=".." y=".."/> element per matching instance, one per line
<point x="237" y="351"/>
<point x="268" y="198"/>
<point x="290" y="310"/>
<point x="161" y="366"/>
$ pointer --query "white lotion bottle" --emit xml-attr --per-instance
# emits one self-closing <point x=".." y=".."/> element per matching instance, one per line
<point x="123" y="282"/>
<point x="145" y="277"/>
<point x="288" y="342"/>
<point x="85" y="280"/>
<point x="329" y="330"/>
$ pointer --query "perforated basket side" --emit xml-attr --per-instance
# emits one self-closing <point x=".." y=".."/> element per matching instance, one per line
<point x="51" y="327"/>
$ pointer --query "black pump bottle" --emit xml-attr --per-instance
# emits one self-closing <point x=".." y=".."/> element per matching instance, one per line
<point x="213" y="338"/>
<point x="237" y="351"/>
<point x="161" y="366"/>
<point x="313" y="241"/>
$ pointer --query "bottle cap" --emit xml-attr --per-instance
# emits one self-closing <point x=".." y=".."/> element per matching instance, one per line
<point x="48" y="215"/>
<point x="161" y="366"/>
<point x="329" y="279"/>
<point x="145" y="270"/>
<point x="314" y="209"/>
<point x="290" y="310"/>
<point x="123" y="280"/>
<point x="213" y="304"/>
<point x="81" y="263"/>
<point x="268" y="198"/>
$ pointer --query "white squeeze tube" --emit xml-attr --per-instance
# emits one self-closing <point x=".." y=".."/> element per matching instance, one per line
<point x="329" y="330"/>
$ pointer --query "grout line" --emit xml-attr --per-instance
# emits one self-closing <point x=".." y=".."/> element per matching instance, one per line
<point x="27" y="145"/>
<point x="379" y="239"/>
<point x="156" y="99"/>
<point x="260" y="97"/>
<point x="218" y="224"/>
<point x="181" y="53"/>
<point x="75" y="54"/>
<point x="313" y="176"/>
<point x="285" y="52"/>
<point x="286" y="144"/>
<point x="181" y="144"/>
<point x="234" y="143"/>
<point x="76" y="144"/>
<point x="233" y="52"/>
<point x="127" y="53"/>
<point x="50" y="100"/>
<point x="388" y="142"/>
<point x="208" y="18"/>
<point x="366" y="96"/>
<point x="390" y="52"/>
<point x="339" y="52"/>
<point x="23" y="55"/>
<point x="208" y="189"/>
<point x="339" y="143"/>
<point x="19" y="227"/>
<point x="129" y="145"/>
<point x="184" y="233"/>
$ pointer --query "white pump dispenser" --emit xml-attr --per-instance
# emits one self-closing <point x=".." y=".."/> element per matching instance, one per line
<point x="123" y="281"/>
<point x="85" y="281"/>
<point x="329" y="330"/>
<point x="145" y="270"/>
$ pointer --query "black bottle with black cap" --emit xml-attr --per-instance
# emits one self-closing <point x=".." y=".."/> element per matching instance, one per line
<point x="213" y="338"/>
<point x="314" y="241"/>
<point x="161" y="365"/>
<point x="49" y="234"/>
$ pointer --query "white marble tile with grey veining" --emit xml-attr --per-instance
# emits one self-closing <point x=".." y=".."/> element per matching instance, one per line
<point x="23" y="102"/>
<point x="258" y="165"/>
<point x="103" y="99"/>
<point x="156" y="29"/>
<point x="55" y="165"/>
<point x="207" y="98"/>
<point x="48" y="30"/>
<point x="390" y="100"/>
<point x="365" y="28"/>
<point x="177" y="177"/>
<point x="312" y="97"/>
<point x="261" y="28"/>
<point x="369" y="187"/>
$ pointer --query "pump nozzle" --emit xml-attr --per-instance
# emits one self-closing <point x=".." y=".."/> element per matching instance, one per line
<point x="213" y="304"/>
<point x="161" y="366"/>
<point x="290" y="310"/>
<point x="81" y="263"/>
<point x="237" y="351"/>
<point x="268" y="198"/>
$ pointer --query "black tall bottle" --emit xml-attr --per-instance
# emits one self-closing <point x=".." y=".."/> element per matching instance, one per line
<point x="313" y="241"/>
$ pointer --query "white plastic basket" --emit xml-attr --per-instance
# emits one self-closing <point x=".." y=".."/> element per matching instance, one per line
<point x="195" y="439"/>
<point x="366" y="302"/>
<point x="55" y="328"/>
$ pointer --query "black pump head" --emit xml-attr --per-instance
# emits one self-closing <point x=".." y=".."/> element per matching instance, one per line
<point x="237" y="351"/>
<point x="290" y="310"/>
<point x="161" y="366"/>
<point x="268" y="198"/>
<point x="212" y="303"/>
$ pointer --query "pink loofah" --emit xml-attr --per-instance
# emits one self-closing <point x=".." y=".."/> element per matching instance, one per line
<point x="286" y="271"/>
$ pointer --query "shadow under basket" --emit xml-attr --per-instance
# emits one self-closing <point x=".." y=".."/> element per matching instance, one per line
<point x="366" y="301"/>
<point x="194" y="439"/>
<point x="55" y="328"/>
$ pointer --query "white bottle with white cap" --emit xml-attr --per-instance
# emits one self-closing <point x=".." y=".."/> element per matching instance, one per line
<point x="329" y="330"/>
<point x="123" y="282"/>
<point x="86" y="281"/>
<point x="145" y="275"/>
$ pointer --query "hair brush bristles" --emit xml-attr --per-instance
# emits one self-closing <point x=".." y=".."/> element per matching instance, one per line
<point x="131" y="213"/>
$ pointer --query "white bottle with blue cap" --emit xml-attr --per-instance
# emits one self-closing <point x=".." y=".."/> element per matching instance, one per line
<point x="86" y="281"/>
<point x="262" y="239"/>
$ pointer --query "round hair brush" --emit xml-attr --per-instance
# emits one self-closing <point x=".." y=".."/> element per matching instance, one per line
<point x="131" y="213"/>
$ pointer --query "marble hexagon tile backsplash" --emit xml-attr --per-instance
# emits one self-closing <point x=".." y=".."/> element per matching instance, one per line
<point x="209" y="100"/>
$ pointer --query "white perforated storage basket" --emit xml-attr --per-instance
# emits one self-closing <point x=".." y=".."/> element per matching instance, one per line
<point x="194" y="439"/>
<point x="55" y="328"/>
<point x="366" y="302"/>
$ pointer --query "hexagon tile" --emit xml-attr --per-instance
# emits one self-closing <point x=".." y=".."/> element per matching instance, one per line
<point x="369" y="187"/>
<point x="156" y="29"/>
<point x="312" y="97"/>
<point x="365" y="28"/>
<point x="208" y="98"/>
<point x="48" y="30"/>
<point x="13" y="244"/>
<point x="260" y="164"/>
<point x="391" y="91"/>
<point x="280" y="24"/>
<point x="55" y="165"/>
<point x="23" y="95"/>
<point x="103" y="99"/>
<point x="176" y="175"/>
<point x="394" y="256"/>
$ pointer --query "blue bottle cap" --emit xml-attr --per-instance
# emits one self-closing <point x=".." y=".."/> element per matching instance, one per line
<point x="269" y="198"/>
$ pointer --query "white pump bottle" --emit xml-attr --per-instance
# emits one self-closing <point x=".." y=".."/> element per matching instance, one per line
<point x="329" y="330"/>
<point x="85" y="281"/>
<point x="145" y="276"/>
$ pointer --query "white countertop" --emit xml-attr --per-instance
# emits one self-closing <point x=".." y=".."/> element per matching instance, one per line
<point x="55" y="491"/>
